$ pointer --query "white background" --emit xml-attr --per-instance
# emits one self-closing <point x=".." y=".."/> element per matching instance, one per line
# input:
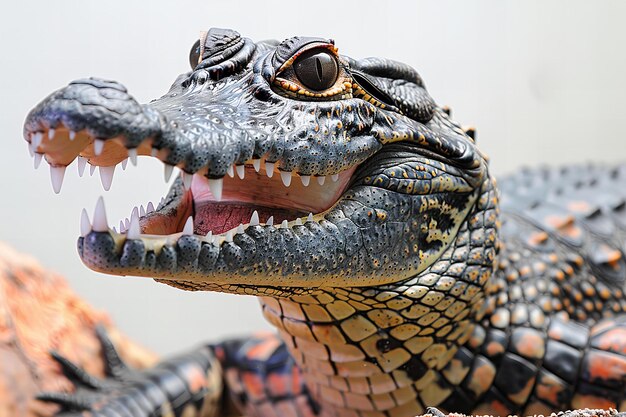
<point x="544" y="82"/>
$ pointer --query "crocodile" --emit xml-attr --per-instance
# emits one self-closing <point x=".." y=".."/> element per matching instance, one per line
<point x="398" y="275"/>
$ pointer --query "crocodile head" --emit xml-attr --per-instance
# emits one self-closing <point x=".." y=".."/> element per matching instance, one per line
<point x="300" y="168"/>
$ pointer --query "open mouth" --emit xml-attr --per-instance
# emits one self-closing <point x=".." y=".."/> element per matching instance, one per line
<point x="256" y="193"/>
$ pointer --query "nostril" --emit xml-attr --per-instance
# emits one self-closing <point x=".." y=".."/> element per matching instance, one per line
<point x="202" y="77"/>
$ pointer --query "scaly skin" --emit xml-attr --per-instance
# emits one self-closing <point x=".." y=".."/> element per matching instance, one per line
<point x="385" y="298"/>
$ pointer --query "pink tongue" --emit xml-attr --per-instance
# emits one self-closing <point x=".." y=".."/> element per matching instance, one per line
<point x="221" y="217"/>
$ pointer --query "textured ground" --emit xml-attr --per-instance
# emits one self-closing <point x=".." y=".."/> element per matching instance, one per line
<point x="575" y="413"/>
<point x="39" y="313"/>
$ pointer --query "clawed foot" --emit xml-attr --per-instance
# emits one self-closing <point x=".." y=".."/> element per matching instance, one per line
<point x="434" y="412"/>
<point x="124" y="392"/>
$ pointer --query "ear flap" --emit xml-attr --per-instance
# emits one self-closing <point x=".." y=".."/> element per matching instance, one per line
<point x="394" y="84"/>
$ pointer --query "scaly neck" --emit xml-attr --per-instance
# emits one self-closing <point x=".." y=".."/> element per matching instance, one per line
<point x="388" y="347"/>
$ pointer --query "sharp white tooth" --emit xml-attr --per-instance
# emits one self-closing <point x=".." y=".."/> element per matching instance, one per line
<point x="36" y="139"/>
<point x="126" y="223"/>
<point x="56" y="176"/>
<point x="134" y="213"/>
<point x="85" y="225"/>
<point x="114" y="230"/>
<point x="154" y="152"/>
<point x="162" y="201"/>
<point x="306" y="179"/>
<point x="229" y="236"/>
<point x="72" y="135"/>
<point x="167" y="172"/>
<point x="106" y="176"/>
<point x="241" y="171"/>
<point x="134" y="231"/>
<point x="124" y="164"/>
<point x="284" y="224"/>
<point x="269" y="169"/>
<point x="122" y="227"/>
<point x="92" y="169"/>
<point x="132" y="155"/>
<point x="51" y="134"/>
<point x="142" y="211"/>
<point x="230" y="171"/>
<point x="334" y="177"/>
<point x="256" y="163"/>
<point x="270" y="221"/>
<point x="81" y="163"/>
<point x="254" y="220"/>
<point x="298" y="222"/>
<point x="150" y="207"/>
<point x="38" y="156"/>
<point x="309" y="217"/>
<point x="216" y="187"/>
<point x="98" y="146"/>
<point x="209" y="237"/>
<point x="286" y="177"/>
<point x="321" y="180"/>
<point x="188" y="229"/>
<point x="31" y="152"/>
<point x="240" y="229"/>
<point x="187" y="180"/>
<point x="100" y="217"/>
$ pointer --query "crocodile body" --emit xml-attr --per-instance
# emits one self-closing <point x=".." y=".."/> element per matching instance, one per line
<point x="552" y="336"/>
<point x="410" y="284"/>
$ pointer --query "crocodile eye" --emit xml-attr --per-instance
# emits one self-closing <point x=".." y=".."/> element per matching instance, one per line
<point x="316" y="70"/>
<point x="310" y="70"/>
<point x="194" y="55"/>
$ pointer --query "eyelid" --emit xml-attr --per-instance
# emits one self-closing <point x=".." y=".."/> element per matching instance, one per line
<point x="315" y="45"/>
<point x="345" y="87"/>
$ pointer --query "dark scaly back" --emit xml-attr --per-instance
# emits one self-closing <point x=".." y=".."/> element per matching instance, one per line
<point x="552" y="336"/>
<point x="567" y="226"/>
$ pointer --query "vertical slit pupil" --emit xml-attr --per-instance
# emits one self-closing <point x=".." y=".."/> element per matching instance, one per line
<point x="320" y="72"/>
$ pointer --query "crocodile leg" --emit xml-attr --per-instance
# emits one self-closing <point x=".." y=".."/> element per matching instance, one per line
<point x="187" y="385"/>
<point x="262" y="378"/>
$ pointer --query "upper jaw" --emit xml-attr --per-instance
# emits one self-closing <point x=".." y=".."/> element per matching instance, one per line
<point x="199" y="129"/>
